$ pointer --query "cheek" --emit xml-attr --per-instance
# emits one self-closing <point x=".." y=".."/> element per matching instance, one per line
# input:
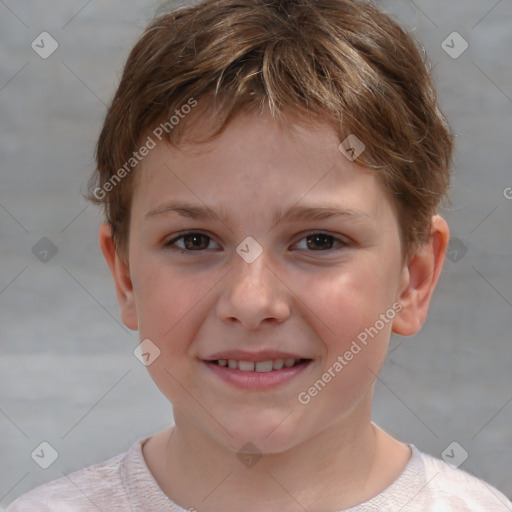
<point x="168" y="303"/>
<point x="345" y="303"/>
<point x="165" y="300"/>
<point x="348" y="311"/>
<point x="347" y="317"/>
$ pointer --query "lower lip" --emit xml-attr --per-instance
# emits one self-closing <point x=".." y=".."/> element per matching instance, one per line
<point x="256" y="380"/>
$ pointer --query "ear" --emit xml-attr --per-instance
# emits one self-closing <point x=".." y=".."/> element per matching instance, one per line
<point x="419" y="278"/>
<point x="122" y="280"/>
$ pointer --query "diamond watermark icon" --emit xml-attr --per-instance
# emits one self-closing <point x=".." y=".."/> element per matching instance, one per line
<point x="44" y="250"/>
<point x="44" y="455"/>
<point x="351" y="147"/>
<point x="146" y="352"/>
<point x="456" y="250"/>
<point x="454" y="45"/>
<point x="454" y="454"/>
<point x="44" y="45"/>
<point x="249" y="249"/>
<point x="249" y="455"/>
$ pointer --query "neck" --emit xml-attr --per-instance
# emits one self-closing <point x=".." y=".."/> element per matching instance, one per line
<point x="340" y="467"/>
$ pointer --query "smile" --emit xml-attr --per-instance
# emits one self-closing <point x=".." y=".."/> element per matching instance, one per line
<point x="257" y="375"/>
<point x="259" y="366"/>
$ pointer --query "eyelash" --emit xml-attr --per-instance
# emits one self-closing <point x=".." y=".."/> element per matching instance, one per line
<point x="171" y="243"/>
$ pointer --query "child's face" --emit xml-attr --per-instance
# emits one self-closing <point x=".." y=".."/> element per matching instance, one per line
<point x="305" y="296"/>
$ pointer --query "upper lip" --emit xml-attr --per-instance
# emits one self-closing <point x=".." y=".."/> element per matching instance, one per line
<point x="263" y="355"/>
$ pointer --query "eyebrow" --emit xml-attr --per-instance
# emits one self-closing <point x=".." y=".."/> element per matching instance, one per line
<point x="295" y="213"/>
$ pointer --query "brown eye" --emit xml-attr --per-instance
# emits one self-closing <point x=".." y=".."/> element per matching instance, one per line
<point x="190" y="242"/>
<point x="321" y="242"/>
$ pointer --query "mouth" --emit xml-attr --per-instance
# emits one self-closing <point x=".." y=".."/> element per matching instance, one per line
<point x="267" y="366"/>
<point x="256" y="371"/>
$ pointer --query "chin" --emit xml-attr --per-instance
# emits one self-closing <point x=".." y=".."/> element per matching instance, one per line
<point x="252" y="433"/>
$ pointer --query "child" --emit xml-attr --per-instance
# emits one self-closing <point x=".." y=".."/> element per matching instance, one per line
<point x="270" y="172"/>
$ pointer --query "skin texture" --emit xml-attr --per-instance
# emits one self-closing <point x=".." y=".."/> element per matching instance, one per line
<point x="307" y="296"/>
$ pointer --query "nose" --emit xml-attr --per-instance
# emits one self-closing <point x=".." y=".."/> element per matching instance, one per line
<point x="253" y="295"/>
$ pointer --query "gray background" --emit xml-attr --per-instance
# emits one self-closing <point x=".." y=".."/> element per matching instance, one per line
<point x="68" y="375"/>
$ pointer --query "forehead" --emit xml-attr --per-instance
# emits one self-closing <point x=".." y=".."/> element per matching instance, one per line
<point x="258" y="163"/>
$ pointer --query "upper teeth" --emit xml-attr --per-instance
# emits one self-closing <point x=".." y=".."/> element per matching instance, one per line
<point x="260" y="366"/>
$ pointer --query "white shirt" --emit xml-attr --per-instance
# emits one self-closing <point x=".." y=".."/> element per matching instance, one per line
<point x="124" y="483"/>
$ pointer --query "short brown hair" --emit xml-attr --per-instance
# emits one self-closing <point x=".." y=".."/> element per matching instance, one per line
<point x="341" y="61"/>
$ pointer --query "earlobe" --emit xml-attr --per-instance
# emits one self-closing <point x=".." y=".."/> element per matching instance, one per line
<point x="120" y="270"/>
<point x="419" y="279"/>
